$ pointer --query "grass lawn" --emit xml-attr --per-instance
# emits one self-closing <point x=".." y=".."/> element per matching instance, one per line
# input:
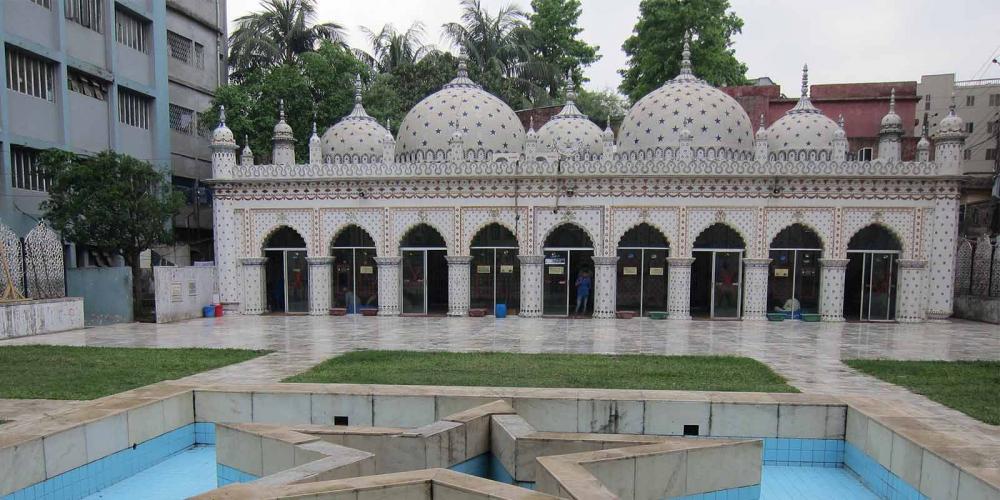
<point x="971" y="387"/>
<point x="64" y="372"/>
<point x="696" y="373"/>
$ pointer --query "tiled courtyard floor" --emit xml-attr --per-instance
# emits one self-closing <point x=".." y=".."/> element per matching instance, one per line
<point x="807" y="354"/>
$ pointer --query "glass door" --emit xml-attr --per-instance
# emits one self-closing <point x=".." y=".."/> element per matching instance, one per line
<point x="881" y="286"/>
<point x="555" y="287"/>
<point x="630" y="276"/>
<point x="297" y="278"/>
<point x="365" y="278"/>
<point x="413" y="268"/>
<point x="654" y="280"/>
<point x="508" y="279"/>
<point x="482" y="278"/>
<point x="727" y="274"/>
<point x="344" y="294"/>
<point x="436" y="288"/>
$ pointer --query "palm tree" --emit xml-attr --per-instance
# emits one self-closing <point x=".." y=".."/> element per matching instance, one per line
<point x="500" y="45"/>
<point x="277" y="34"/>
<point x="392" y="49"/>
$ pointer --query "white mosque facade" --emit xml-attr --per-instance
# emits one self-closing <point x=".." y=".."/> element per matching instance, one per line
<point x="688" y="212"/>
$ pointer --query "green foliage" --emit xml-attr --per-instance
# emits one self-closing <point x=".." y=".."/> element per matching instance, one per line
<point x="654" y="50"/>
<point x="600" y="105"/>
<point x="392" y="50"/>
<point x="111" y="202"/>
<point x="695" y="373"/>
<point x="29" y="372"/>
<point x="391" y="95"/>
<point x="277" y="35"/>
<point x="554" y="29"/>
<point x="321" y="83"/>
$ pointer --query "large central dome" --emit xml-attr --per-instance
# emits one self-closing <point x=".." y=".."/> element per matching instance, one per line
<point x="486" y="124"/>
<point x="717" y="124"/>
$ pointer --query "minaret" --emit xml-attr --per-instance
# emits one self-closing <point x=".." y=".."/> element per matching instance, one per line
<point x="531" y="141"/>
<point x="388" y="144"/>
<point x="760" y="142"/>
<point x="608" y="137"/>
<point x="223" y="149"/>
<point x="247" y="159"/>
<point x="949" y="141"/>
<point x="283" y="152"/>
<point x="924" y="146"/>
<point x="840" y="141"/>
<point x="890" y="133"/>
<point x="315" y="146"/>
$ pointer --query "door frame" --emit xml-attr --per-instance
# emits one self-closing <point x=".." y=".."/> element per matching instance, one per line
<point x="423" y="251"/>
<point x="569" y="261"/>
<point x="866" y="316"/>
<point x="739" y="289"/>
<point x="795" y="265"/>
<point x="494" y="270"/>
<point x="354" y="270"/>
<point x="284" y="273"/>
<point x="642" y="274"/>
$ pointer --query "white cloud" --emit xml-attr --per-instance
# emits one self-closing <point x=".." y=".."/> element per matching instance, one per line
<point x="843" y="41"/>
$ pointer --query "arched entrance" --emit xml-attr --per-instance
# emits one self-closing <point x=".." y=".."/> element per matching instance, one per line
<point x="286" y="272"/>
<point x="495" y="274"/>
<point x="717" y="273"/>
<point x="872" y="269"/>
<point x="642" y="270"/>
<point x="793" y="279"/>
<point x="354" y="284"/>
<point x="424" y="271"/>
<point x="569" y="264"/>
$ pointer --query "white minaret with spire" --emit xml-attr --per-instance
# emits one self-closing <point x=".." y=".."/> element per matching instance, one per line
<point x="388" y="144"/>
<point x="924" y="146"/>
<point x="890" y="133"/>
<point x="283" y="151"/>
<point x="223" y="149"/>
<point x="247" y="159"/>
<point x="760" y="142"/>
<point x="608" y="137"/>
<point x="531" y="140"/>
<point x="949" y="141"/>
<point x="840" y="141"/>
<point x="315" y="146"/>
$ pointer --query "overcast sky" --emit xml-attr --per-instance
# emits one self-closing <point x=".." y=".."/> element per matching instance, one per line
<point x="842" y="41"/>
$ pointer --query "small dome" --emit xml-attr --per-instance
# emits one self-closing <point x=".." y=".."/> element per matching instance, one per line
<point x="486" y="123"/>
<point x="804" y="130"/>
<point x="923" y="143"/>
<point x="952" y="126"/>
<point x="282" y="130"/>
<point x="356" y="136"/>
<point x="891" y="122"/>
<point x="714" y="120"/>
<point x="570" y="130"/>
<point x="222" y="134"/>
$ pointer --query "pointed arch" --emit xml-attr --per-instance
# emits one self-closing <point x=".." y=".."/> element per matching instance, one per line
<point x="720" y="235"/>
<point x="283" y="236"/>
<point x="797" y="235"/>
<point x="875" y="236"/>
<point x="575" y="235"/>
<point x="422" y="234"/>
<point x="644" y="234"/>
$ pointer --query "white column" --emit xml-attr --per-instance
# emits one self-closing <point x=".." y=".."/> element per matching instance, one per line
<point x="831" y="288"/>
<point x="253" y="285"/>
<point x="319" y="285"/>
<point x="755" y="288"/>
<point x="941" y="255"/>
<point x="458" y="284"/>
<point x="605" y="274"/>
<point x="679" y="281"/>
<point x="531" y="285"/>
<point x="910" y="291"/>
<point x="388" y="285"/>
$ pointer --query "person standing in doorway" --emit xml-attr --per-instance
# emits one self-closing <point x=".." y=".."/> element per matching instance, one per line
<point x="583" y="284"/>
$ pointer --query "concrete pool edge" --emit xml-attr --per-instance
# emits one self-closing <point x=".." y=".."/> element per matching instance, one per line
<point x="936" y="463"/>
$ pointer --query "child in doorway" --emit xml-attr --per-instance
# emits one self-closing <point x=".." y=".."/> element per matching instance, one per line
<point x="583" y="284"/>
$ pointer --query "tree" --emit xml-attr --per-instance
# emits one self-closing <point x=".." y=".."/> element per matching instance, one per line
<point x="391" y="95"/>
<point x="654" y="50"/>
<point x="392" y="49"/>
<point x="278" y="35"/>
<point x="112" y="202"/>
<point x="554" y="32"/>
<point x="600" y="105"/>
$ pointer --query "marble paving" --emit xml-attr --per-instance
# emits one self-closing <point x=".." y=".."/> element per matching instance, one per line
<point x="807" y="354"/>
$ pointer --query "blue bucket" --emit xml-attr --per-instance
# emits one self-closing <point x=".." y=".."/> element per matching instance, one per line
<point x="501" y="311"/>
<point x="208" y="311"/>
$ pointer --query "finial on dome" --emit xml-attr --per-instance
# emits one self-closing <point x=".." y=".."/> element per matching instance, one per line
<point x="246" y="141"/>
<point x="762" y="121"/>
<point x="607" y="124"/>
<point x="463" y="63"/>
<point x="222" y="115"/>
<point x="805" y="80"/>
<point x="951" y="107"/>
<point x="686" y="54"/>
<point x="281" y="109"/>
<point x="840" y="121"/>
<point x="570" y="93"/>
<point x="357" y="88"/>
<point x="531" y="123"/>
<point x="892" y="100"/>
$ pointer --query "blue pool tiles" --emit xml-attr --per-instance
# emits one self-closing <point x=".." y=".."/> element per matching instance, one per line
<point x="488" y="466"/>
<point x="811" y="483"/>
<point x="877" y="478"/>
<point x="188" y="473"/>
<point x="227" y="475"/>
<point x="743" y="493"/>
<point x="804" y="452"/>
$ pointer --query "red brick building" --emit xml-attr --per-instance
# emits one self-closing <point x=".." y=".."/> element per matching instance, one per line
<point x="862" y="104"/>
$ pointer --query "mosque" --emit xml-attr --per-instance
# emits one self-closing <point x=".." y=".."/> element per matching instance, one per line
<point x="687" y="213"/>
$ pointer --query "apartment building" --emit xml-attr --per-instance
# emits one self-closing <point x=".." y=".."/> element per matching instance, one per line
<point x="977" y="102"/>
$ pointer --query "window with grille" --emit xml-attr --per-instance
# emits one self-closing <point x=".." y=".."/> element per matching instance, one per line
<point x="865" y="154"/>
<point x="927" y="102"/>
<point x="29" y="75"/>
<point x="133" y="108"/>
<point x="25" y="171"/>
<point x="970" y="100"/>
<point x="181" y="119"/>
<point x="132" y="31"/>
<point x="199" y="55"/>
<point x="991" y="154"/>
<point x="994" y="99"/>
<point x="180" y="47"/>
<point x="43" y="3"/>
<point x="86" y="13"/>
<point x="87" y="85"/>
<point x="967" y="154"/>
<point x="968" y="127"/>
